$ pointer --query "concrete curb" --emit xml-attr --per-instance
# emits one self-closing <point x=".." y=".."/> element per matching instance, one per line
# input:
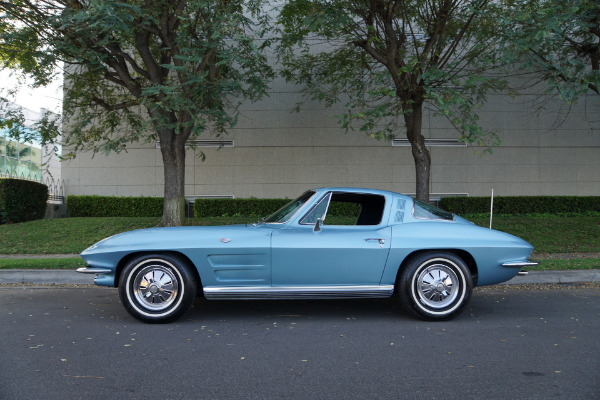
<point x="591" y="275"/>
<point x="46" y="277"/>
<point x="71" y="277"/>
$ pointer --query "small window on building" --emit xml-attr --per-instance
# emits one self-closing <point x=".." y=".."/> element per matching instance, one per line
<point x="18" y="159"/>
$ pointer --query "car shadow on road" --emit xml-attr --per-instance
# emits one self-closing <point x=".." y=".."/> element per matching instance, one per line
<point x="486" y="305"/>
<point x="313" y="309"/>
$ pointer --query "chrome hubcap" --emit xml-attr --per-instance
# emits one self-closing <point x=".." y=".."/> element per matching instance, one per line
<point x="155" y="287"/>
<point x="437" y="286"/>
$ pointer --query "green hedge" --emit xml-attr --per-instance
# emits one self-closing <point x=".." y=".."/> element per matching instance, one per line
<point x="232" y="207"/>
<point x="21" y="200"/>
<point x="111" y="206"/>
<point x="522" y="204"/>
<point x="257" y="208"/>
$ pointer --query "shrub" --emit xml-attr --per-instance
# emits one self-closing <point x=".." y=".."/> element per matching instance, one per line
<point x="257" y="207"/>
<point x="111" y="206"/>
<point x="21" y="200"/>
<point x="522" y="204"/>
<point x="229" y="207"/>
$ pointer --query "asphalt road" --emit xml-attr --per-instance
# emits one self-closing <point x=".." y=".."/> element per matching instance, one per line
<point x="78" y="343"/>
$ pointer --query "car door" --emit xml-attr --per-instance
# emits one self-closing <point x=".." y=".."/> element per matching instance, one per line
<point x="336" y="255"/>
<point x="310" y="253"/>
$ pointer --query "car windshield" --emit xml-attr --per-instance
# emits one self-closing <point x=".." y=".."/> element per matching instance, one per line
<point x="427" y="211"/>
<point x="286" y="212"/>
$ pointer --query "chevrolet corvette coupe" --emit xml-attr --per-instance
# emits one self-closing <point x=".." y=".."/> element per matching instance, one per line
<point x="383" y="244"/>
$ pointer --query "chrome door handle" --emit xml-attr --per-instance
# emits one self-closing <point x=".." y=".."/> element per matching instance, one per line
<point x="381" y="241"/>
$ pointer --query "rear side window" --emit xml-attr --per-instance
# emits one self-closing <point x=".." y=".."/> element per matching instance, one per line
<point x="427" y="211"/>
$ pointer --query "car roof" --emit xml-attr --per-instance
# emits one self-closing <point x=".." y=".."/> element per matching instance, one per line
<point x="362" y="190"/>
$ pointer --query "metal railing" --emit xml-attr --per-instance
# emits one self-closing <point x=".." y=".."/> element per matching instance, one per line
<point x="56" y="188"/>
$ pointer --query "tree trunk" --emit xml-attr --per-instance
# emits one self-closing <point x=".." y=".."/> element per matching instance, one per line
<point x="421" y="156"/>
<point x="173" y="155"/>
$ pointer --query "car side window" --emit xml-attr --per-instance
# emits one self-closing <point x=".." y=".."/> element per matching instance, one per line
<point x="348" y="209"/>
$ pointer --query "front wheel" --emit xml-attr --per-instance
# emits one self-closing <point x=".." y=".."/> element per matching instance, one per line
<point x="157" y="288"/>
<point x="435" y="286"/>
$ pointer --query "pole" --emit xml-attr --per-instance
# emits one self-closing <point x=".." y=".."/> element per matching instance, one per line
<point x="491" y="208"/>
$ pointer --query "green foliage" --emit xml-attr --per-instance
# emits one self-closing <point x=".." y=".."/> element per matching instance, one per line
<point x="559" y="41"/>
<point x="22" y="200"/>
<point x="109" y="206"/>
<point x="112" y="206"/>
<point x="387" y="61"/>
<point x="142" y="72"/>
<point x="236" y="207"/>
<point x="44" y="131"/>
<point x="575" y="233"/>
<point x="65" y="235"/>
<point x="73" y="235"/>
<point x="21" y="49"/>
<point x="568" y="264"/>
<point x="522" y="204"/>
<point x="384" y="59"/>
<point x="258" y="208"/>
<point x="42" y="263"/>
<point x="22" y="52"/>
<point x="189" y="72"/>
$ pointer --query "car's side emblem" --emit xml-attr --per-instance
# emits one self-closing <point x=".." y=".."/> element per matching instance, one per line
<point x="225" y="240"/>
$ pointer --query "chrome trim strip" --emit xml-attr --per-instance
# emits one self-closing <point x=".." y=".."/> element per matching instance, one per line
<point x="298" y="292"/>
<point x="89" y="270"/>
<point x="519" y="264"/>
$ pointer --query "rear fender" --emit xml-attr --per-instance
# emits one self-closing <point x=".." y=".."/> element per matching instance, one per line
<point x="464" y="255"/>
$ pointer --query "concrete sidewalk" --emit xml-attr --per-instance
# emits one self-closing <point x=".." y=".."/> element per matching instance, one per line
<point x="72" y="277"/>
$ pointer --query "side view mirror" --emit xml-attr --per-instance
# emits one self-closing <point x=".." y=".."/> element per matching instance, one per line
<point x="317" y="227"/>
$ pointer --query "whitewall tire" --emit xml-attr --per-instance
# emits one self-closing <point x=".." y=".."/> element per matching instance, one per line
<point x="157" y="288"/>
<point x="435" y="286"/>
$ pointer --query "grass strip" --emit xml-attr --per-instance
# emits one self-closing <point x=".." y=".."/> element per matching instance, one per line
<point x="550" y="233"/>
<point x="73" y="235"/>
<point x="73" y="263"/>
<point x="64" y="235"/>
<point x="41" y="263"/>
<point x="566" y="265"/>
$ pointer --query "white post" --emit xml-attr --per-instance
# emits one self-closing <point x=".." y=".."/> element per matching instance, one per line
<point x="492" y="208"/>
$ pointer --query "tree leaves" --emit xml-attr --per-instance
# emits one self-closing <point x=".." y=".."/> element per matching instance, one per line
<point x="558" y="41"/>
<point x="387" y="60"/>
<point x="141" y="72"/>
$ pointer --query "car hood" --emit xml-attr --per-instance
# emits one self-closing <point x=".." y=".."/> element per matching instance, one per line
<point x="175" y="238"/>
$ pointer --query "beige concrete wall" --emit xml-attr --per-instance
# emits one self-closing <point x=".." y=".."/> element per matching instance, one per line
<point x="280" y="153"/>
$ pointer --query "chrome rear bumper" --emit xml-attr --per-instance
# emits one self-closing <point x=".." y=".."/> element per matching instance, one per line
<point x="90" y="270"/>
<point x="520" y="264"/>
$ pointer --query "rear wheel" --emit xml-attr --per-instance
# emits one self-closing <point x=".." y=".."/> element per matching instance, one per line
<point x="157" y="288"/>
<point x="435" y="286"/>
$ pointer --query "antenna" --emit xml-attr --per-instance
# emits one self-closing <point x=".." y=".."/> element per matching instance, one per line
<point x="492" y="208"/>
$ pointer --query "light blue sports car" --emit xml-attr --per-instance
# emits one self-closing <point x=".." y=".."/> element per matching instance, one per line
<point x="392" y="245"/>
